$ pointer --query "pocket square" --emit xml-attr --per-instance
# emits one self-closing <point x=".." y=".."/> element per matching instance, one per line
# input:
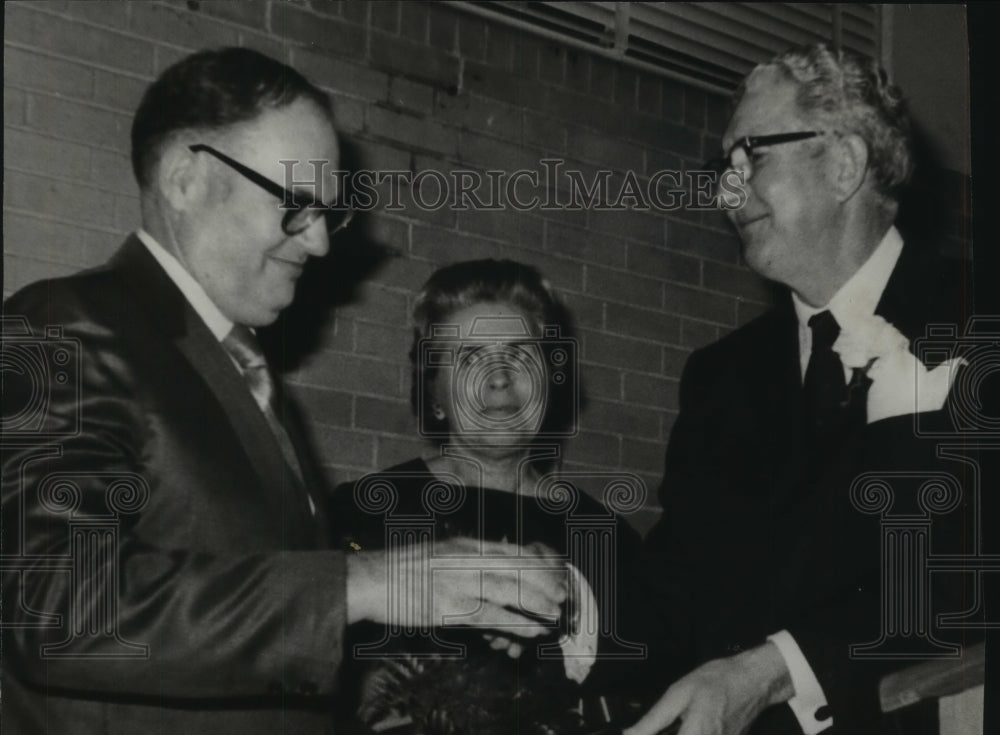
<point x="902" y="385"/>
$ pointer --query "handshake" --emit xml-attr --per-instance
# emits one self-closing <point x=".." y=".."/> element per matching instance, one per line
<point x="511" y="592"/>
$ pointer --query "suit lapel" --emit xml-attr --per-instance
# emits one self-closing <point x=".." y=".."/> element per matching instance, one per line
<point x="917" y="275"/>
<point x="904" y="303"/>
<point x="168" y="309"/>
<point x="778" y="380"/>
<point x="898" y="304"/>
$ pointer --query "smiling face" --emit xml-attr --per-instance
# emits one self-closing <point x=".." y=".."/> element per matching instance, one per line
<point x="789" y="223"/>
<point x="494" y="393"/>
<point x="232" y="242"/>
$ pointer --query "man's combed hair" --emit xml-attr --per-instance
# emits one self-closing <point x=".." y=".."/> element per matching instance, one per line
<point x="853" y="95"/>
<point x="211" y="90"/>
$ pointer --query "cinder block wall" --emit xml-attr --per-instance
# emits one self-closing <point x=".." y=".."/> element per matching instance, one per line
<point x="417" y="86"/>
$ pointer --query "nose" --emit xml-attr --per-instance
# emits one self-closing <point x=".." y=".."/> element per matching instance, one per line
<point x="315" y="239"/>
<point x="739" y="161"/>
<point x="500" y="377"/>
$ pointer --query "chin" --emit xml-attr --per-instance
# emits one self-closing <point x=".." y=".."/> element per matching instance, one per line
<point x="268" y="306"/>
<point x="760" y="257"/>
<point x="261" y="317"/>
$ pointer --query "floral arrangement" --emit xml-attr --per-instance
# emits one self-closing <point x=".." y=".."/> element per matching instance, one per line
<point x="900" y="383"/>
<point x="484" y="693"/>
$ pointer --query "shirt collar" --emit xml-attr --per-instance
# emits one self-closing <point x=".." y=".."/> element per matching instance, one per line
<point x="217" y="322"/>
<point x="857" y="298"/>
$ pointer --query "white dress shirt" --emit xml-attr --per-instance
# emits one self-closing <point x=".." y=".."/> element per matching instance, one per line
<point x="217" y="322"/>
<point x="855" y="301"/>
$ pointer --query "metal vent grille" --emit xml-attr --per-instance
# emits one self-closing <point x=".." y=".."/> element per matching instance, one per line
<point x="711" y="44"/>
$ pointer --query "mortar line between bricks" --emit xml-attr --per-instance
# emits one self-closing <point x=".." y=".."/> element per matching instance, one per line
<point x="370" y="322"/>
<point x="641" y="404"/>
<point x="647" y="340"/>
<point x="304" y="384"/>
<point x="67" y="262"/>
<point x="545" y="152"/>
<point x="398" y="216"/>
<point x="90" y="183"/>
<point x="599" y="434"/>
<point x="132" y="34"/>
<point x="21" y="46"/>
<point x="48" y="137"/>
<point x="365" y="432"/>
<point x="44" y="9"/>
<point x="623" y="371"/>
<point x="644" y="145"/>
<point x="639" y="275"/>
<point x="729" y="294"/>
<point x="657" y="373"/>
<point x="207" y="20"/>
<point x="660" y="310"/>
<point x="358" y="356"/>
<point x="88" y="103"/>
<point x="377" y="433"/>
<point x="703" y="320"/>
<point x="711" y="228"/>
<point x="400" y="402"/>
<point x="75" y="222"/>
<point x="49" y="261"/>
<point x="657" y="310"/>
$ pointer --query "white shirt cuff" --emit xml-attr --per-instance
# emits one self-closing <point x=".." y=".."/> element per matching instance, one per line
<point x="809" y="697"/>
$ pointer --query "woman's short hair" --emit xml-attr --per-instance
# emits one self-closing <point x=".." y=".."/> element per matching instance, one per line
<point x="460" y="285"/>
<point x="852" y="94"/>
<point x="212" y="90"/>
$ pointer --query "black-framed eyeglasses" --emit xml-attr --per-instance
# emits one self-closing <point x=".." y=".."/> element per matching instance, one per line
<point x="748" y="143"/>
<point x="301" y="209"/>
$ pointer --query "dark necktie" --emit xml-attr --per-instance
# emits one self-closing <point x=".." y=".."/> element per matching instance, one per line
<point x="824" y="388"/>
<point x="241" y="344"/>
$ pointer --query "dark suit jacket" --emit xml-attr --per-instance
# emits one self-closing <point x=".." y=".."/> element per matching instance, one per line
<point x="759" y="533"/>
<point x="163" y="571"/>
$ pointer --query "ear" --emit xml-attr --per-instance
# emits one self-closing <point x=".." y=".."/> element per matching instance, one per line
<point x="182" y="176"/>
<point x="850" y="166"/>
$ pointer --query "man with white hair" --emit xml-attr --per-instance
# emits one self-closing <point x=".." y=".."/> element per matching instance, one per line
<point x="765" y="573"/>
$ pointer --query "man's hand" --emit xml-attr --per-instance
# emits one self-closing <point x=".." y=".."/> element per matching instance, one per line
<point x="722" y="697"/>
<point x="498" y="586"/>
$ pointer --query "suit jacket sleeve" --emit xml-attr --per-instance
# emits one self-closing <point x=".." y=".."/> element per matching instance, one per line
<point x="661" y="583"/>
<point x="190" y="593"/>
<point x="760" y="533"/>
<point x="855" y="611"/>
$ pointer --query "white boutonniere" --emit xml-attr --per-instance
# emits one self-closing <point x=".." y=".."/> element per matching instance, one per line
<point x="900" y="383"/>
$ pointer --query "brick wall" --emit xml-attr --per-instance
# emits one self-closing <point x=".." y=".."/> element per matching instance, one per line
<point x="416" y="86"/>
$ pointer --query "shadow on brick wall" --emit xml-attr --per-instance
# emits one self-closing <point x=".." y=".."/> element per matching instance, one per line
<point x="327" y="283"/>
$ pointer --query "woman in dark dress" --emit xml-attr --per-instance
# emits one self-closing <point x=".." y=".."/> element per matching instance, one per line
<point x="495" y="390"/>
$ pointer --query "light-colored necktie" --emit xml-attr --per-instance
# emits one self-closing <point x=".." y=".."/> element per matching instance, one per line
<point x="241" y="344"/>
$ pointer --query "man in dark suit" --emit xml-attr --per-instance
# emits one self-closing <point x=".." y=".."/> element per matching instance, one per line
<point x="765" y="575"/>
<point x="164" y="540"/>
